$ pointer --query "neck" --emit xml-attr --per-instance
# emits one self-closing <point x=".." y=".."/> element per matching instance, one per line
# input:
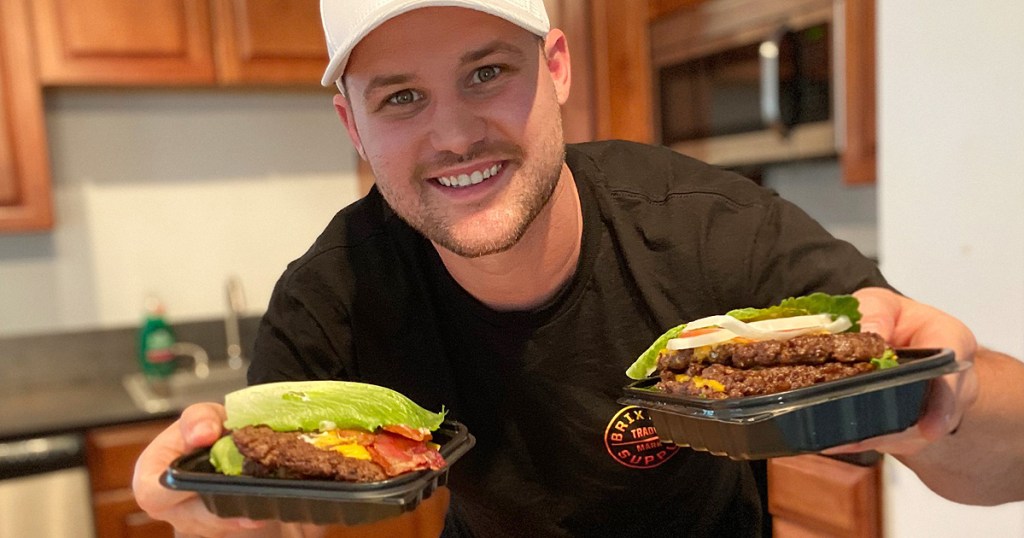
<point x="532" y="271"/>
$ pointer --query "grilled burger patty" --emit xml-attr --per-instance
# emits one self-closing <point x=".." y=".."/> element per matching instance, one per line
<point x="746" y="369"/>
<point x="287" y="455"/>
<point x="807" y="349"/>
<point x="738" y="382"/>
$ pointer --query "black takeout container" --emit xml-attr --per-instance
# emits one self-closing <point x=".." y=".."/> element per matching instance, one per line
<point x="804" y="420"/>
<point x="321" y="502"/>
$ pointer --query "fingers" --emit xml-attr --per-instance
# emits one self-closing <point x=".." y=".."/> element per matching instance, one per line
<point x="949" y="397"/>
<point x="199" y="426"/>
<point x="194" y="519"/>
<point x="909" y="441"/>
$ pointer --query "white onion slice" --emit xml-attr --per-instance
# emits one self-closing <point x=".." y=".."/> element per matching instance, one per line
<point x="791" y="323"/>
<point x="706" y="339"/>
<point x="769" y="329"/>
<point x="710" y="321"/>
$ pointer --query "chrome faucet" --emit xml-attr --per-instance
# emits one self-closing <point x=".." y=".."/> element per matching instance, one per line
<point x="236" y="305"/>
<point x="201" y="360"/>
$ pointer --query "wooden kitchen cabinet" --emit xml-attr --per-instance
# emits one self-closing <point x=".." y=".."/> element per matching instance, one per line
<point x="817" y="496"/>
<point x="110" y="455"/>
<point x="269" y="41"/>
<point x="25" y="198"/>
<point x="178" y="42"/>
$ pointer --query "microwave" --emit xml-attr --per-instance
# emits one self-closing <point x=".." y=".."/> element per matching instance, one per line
<point x="742" y="83"/>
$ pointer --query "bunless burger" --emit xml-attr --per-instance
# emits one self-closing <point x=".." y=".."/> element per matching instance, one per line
<point x="327" y="430"/>
<point x="754" y="351"/>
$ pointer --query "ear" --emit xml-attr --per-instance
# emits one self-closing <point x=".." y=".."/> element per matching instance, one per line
<point x="556" y="54"/>
<point x="344" y="110"/>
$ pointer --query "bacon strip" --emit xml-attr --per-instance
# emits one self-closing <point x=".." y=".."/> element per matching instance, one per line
<point x="398" y="454"/>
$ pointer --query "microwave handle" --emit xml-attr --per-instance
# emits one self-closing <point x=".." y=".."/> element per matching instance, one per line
<point x="771" y="90"/>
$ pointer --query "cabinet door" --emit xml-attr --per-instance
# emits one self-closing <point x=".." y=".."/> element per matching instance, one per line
<point x="117" y="516"/>
<point x="110" y="455"/>
<point x="817" y="496"/>
<point x="269" y="42"/>
<point x="99" y="42"/>
<point x="24" y="165"/>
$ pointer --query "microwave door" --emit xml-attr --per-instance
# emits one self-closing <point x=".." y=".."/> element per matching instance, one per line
<point x="765" y="101"/>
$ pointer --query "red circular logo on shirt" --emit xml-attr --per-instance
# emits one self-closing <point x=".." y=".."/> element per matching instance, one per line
<point x="632" y="440"/>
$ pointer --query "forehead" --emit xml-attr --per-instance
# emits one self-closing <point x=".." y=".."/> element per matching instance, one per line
<point x="433" y="33"/>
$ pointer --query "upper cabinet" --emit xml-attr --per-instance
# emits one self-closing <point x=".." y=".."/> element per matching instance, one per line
<point x="269" y="41"/>
<point x="24" y="163"/>
<point x="178" y="42"/>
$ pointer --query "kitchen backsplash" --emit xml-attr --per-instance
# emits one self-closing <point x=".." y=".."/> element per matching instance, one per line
<point x="847" y="212"/>
<point x="169" y="192"/>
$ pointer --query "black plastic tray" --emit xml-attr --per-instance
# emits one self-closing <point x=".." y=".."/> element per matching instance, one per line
<point x="804" y="420"/>
<point x="322" y="502"/>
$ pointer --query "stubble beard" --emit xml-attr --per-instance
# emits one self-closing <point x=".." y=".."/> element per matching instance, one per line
<point x="536" y="182"/>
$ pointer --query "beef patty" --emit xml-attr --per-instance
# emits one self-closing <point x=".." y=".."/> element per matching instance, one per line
<point x="807" y="349"/>
<point x="766" y="367"/>
<point x="287" y="455"/>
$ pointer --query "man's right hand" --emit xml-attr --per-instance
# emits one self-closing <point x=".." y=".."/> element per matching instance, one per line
<point x="199" y="426"/>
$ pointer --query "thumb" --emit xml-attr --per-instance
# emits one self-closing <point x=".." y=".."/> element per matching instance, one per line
<point x="202" y="424"/>
<point x="879" y="308"/>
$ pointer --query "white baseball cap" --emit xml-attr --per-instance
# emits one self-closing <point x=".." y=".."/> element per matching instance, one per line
<point x="346" y="22"/>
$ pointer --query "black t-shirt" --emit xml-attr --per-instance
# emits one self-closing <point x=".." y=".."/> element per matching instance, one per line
<point x="666" y="239"/>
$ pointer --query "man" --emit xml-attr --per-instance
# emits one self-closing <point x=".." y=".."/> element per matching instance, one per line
<point x="512" y="279"/>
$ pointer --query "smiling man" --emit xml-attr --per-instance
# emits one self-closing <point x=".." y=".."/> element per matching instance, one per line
<point x="498" y="272"/>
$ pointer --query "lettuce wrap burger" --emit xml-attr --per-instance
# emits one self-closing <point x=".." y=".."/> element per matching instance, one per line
<point x="752" y="351"/>
<point x="328" y="430"/>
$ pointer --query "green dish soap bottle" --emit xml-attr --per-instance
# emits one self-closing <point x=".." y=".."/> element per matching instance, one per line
<point x="156" y="356"/>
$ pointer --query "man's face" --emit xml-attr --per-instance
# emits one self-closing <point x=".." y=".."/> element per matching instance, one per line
<point x="458" y="114"/>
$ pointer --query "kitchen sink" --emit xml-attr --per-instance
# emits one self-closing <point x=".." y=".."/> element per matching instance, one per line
<point x="184" y="387"/>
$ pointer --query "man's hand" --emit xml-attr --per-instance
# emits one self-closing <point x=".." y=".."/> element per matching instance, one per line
<point x="199" y="426"/>
<point x="903" y="322"/>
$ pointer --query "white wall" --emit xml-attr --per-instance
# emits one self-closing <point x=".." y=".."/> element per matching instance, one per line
<point x="951" y="194"/>
<point x="170" y="192"/>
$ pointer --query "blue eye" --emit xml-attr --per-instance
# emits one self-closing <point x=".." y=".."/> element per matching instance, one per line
<point x="485" y="74"/>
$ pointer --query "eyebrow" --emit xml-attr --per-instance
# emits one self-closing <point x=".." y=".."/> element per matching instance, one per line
<point x="384" y="80"/>
<point x="467" y="58"/>
<point x="488" y="49"/>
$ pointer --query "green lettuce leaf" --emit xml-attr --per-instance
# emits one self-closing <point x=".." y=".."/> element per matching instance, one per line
<point x="648" y="360"/>
<point x="311" y="405"/>
<point x="225" y="457"/>
<point x="887" y="360"/>
<point x="815" y="303"/>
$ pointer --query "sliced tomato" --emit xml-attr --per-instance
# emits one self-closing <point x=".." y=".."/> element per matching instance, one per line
<point x="704" y="338"/>
<point x="697" y="332"/>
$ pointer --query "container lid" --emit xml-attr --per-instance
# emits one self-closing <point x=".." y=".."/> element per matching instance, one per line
<point x="315" y="501"/>
<point x="914" y="365"/>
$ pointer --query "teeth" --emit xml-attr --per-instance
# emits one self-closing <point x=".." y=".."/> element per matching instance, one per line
<point x="465" y="180"/>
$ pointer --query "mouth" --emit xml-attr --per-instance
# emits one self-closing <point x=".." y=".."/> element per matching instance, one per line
<point x="470" y="177"/>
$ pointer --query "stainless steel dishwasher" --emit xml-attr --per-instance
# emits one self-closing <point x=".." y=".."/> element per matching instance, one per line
<point x="44" y="488"/>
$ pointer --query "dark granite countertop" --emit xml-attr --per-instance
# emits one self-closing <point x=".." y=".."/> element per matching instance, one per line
<point x="64" y="382"/>
<point x="43" y="411"/>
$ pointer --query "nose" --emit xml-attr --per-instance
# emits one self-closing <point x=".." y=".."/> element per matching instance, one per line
<point x="455" y="127"/>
